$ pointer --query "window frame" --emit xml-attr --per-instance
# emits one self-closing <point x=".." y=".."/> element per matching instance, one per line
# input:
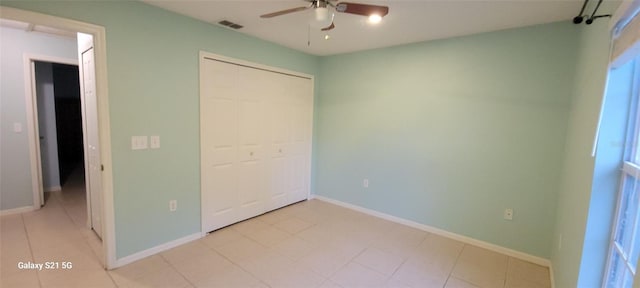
<point x="630" y="167"/>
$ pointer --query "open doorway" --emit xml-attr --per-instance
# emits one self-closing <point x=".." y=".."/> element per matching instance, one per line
<point x="59" y="114"/>
<point x="59" y="123"/>
<point x="97" y="151"/>
<point x="58" y="117"/>
<point x="62" y="109"/>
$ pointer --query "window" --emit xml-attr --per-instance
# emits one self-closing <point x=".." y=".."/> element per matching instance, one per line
<point x="625" y="239"/>
<point x="625" y="245"/>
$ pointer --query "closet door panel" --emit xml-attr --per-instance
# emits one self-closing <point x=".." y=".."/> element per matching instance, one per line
<point x="218" y="145"/>
<point x="221" y="125"/>
<point x="280" y="144"/>
<point x="252" y="167"/>
<point x="220" y="80"/>
<point x="250" y="116"/>
<point x="298" y="191"/>
<point x="221" y="196"/>
<point x="250" y="189"/>
<point x="280" y="123"/>
<point x="278" y="183"/>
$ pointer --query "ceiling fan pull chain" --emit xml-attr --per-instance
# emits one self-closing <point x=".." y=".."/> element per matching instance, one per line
<point x="309" y="35"/>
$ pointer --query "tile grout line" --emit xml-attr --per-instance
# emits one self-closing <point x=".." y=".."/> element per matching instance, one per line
<point x="389" y="276"/>
<point x="407" y="258"/>
<point x="506" y="272"/>
<point x="141" y="275"/>
<point x="456" y="263"/>
<point x="347" y="263"/>
<point x="269" y="248"/>
<point x="84" y="238"/>
<point x="465" y="281"/>
<point x="26" y="233"/>
<point x="178" y="271"/>
<point x="237" y="264"/>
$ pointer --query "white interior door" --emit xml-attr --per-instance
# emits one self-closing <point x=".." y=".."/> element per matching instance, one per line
<point x="93" y="164"/>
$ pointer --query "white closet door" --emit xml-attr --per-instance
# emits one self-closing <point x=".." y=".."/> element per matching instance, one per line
<point x="300" y="139"/>
<point x="280" y="174"/>
<point x="251" y="166"/>
<point x="255" y="127"/>
<point x="219" y="144"/>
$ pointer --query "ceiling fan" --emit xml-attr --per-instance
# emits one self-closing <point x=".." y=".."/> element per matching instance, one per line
<point x="324" y="20"/>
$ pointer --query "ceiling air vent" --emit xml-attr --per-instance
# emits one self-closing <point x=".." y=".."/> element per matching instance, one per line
<point x="230" y="24"/>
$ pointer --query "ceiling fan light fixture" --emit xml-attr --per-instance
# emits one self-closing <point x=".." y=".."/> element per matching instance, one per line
<point x="323" y="20"/>
<point x="375" y="18"/>
<point x="322" y="14"/>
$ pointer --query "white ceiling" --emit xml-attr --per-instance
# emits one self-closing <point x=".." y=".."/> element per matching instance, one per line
<point x="408" y="21"/>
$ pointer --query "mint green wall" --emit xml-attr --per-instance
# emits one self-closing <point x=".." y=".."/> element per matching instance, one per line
<point x="452" y="132"/>
<point x="153" y="71"/>
<point x="575" y="195"/>
<point x="15" y="169"/>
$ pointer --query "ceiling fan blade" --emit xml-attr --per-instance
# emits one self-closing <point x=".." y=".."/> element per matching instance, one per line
<point x="329" y="28"/>
<point x="362" y="9"/>
<point x="282" y="12"/>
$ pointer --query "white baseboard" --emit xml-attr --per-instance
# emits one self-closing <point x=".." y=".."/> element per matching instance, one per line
<point x="52" y="188"/>
<point x="465" y="239"/>
<point x="17" y="210"/>
<point x="155" y="250"/>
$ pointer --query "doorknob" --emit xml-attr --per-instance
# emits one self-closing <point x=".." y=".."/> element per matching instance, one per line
<point x="41" y="137"/>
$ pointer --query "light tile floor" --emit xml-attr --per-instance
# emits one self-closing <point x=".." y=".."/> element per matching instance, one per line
<point x="309" y="244"/>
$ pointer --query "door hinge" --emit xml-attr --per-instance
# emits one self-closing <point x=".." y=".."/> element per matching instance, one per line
<point x="101" y="167"/>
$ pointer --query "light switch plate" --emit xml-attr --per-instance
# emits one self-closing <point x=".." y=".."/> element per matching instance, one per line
<point x="173" y="205"/>
<point x="17" y="127"/>
<point x="138" y="142"/>
<point x="155" y="142"/>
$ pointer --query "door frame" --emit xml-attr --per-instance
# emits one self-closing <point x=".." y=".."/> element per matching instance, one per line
<point x="100" y="50"/>
<point x="33" y="129"/>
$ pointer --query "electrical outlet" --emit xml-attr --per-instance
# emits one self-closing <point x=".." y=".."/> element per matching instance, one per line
<point x="173" y="205"/>
<point x="508" y="214"/>
<point x="365" y="183"/>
